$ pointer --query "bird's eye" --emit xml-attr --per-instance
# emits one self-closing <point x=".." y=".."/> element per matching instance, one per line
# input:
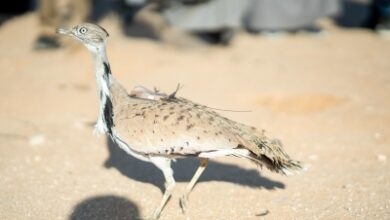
<point x="83" y="30"/>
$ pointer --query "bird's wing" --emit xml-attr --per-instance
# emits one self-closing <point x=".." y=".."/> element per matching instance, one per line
<point x="176" y="126"/>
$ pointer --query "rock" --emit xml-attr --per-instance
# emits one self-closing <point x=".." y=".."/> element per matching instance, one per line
<point x="263" y="213"/>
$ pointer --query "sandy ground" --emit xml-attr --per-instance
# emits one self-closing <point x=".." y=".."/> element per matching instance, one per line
<point x="326" y="97"/>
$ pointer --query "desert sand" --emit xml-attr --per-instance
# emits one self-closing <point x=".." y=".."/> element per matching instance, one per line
<point x="326" y="97"/>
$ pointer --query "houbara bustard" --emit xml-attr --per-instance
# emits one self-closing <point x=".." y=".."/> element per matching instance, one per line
<point x="160" y="129"/>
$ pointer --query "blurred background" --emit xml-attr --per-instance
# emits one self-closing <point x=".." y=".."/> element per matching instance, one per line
<point x="214" y="22"/>
<point x="313" y="73"/>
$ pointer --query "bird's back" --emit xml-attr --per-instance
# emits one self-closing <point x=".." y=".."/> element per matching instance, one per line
<point x="172" y="126"/>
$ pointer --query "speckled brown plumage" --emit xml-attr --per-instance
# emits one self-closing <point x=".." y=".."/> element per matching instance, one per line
<point x="171" y="126"/>
<point x="156" y="127"/>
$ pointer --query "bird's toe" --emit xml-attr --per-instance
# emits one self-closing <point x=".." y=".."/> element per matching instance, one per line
<point x="183" y="203"/>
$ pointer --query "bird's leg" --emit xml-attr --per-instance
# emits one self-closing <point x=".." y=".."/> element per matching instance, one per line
<point x="164" y="165"/>
<point x="190" y="186"/>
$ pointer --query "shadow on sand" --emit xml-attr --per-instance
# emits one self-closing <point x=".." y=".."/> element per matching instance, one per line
<point x="183" y="171"/>
<point x="105" y="207"/>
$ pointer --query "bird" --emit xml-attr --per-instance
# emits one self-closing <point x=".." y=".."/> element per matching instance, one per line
<point x="158" y="128"/>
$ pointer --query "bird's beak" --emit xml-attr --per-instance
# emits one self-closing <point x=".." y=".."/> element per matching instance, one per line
<point x="63" y="31"/>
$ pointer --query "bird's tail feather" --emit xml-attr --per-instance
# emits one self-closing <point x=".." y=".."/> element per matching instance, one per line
<point x="275" y="158"/>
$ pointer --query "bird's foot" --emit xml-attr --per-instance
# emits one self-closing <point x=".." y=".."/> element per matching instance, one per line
<point x="183" y="203"/>
<point x="154" y="216"/>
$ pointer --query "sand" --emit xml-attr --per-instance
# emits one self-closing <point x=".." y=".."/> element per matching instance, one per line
<point x="326" y="97"/>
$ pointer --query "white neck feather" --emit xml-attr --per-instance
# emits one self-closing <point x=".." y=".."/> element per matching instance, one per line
<point x="103" y="81"/>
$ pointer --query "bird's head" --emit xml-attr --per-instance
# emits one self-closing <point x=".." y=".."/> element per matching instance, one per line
<point x="91" y="35"/>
